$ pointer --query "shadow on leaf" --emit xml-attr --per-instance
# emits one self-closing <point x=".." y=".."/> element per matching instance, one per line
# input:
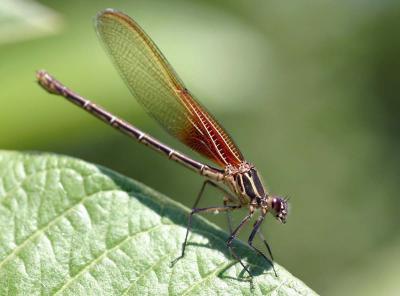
<point x="178" y="214"/>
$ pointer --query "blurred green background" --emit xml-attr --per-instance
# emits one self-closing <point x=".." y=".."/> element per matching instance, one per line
<point x="309" y="90"/>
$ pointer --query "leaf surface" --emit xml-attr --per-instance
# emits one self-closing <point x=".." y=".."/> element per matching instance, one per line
<point x="72" y="228"/>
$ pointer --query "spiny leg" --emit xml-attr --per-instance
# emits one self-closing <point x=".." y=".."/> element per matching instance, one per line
<point x="202" y="210"/>
<point x="266" y="245"/>
<point x="228" y="197"/>
<point x="228" y="216"/>
<point x="234" y="235"/>
<point x="255" y="230"/>
<point x="226" y="208"/>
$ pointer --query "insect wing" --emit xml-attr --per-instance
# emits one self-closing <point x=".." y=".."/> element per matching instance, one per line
<point x="155" y="84"/>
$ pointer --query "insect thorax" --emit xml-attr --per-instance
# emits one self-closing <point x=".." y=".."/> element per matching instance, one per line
<point x="246" y="183"/>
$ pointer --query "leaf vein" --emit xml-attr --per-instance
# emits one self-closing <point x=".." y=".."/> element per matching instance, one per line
<point x="131" y="285"/>
<point x="104" y="254"/>
<point x="27" y="178"/>
<point x="46" y="226"/>
<point x="208" y="276"/>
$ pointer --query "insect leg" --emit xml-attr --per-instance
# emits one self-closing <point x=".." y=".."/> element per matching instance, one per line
<point x="202" y="210"/>
<point x="228" y="215"/>
<point x="228" y="198"/>
<point x="266" y="245"/>
<point x="232" y="238"/>
<point x="255" y="230"/>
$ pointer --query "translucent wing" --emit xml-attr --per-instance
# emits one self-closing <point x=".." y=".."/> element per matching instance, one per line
<point x="158" y="88"/>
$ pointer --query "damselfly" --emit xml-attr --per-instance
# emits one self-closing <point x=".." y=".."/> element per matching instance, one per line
<point x="154" y="83"/>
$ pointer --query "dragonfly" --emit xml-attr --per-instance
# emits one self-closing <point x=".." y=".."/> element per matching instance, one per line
<point x="158" y="88"/>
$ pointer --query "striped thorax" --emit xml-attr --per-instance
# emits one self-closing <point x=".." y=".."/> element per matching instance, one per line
<point x="246" y="183"/>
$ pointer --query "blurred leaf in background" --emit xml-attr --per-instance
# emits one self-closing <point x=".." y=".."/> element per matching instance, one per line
<point x="23" y="19"/>
<point x="309" y="90"/>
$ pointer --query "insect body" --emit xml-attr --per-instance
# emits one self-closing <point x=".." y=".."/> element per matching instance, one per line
<point x="163" y="95"/>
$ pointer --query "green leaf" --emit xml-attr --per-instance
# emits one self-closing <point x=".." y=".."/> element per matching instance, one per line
<point x="71" y="228"/>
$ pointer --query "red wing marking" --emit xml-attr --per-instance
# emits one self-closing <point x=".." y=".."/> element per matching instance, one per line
<point x="155" y="85"/>
<point x="208" y="137"/>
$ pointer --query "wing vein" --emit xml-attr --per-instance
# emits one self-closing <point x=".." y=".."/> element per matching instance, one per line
<point x="157" y="87"/>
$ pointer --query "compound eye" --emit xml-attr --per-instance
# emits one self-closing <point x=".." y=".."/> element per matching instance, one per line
<point x="277" y="205"/>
